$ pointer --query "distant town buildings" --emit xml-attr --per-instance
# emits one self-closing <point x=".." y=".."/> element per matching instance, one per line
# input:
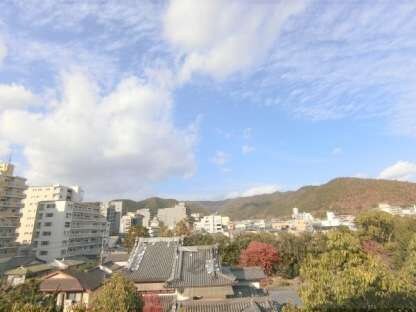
<point x="213" y="224"/>
<point x="65" y="228"/>
<point x="172" y="215"/>
<point x="129" y="220"/>
<point x="37" y="194"/>
<point x="11" y="195"/>
<point x="396" y="210"/>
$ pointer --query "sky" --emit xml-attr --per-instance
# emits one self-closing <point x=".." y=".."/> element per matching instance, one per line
<point x="207" y="99"/>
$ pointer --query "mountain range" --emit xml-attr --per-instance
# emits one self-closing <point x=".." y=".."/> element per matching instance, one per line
<point x="341" y="195"/>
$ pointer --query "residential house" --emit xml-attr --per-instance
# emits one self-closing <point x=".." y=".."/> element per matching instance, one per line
<point x="73" y="287"/>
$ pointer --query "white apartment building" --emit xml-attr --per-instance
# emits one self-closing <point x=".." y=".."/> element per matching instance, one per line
<point x="213" y="224"/>
<point x="11" y="195"/>
<point x="64" y="228"/>
<point x="171" y="216"/>
<point x="37" y="194"/>
<point x="130" y="219"/>
<point x="396" y="210"/>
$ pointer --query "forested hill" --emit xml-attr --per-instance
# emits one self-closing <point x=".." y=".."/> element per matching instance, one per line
<point x="346" y="195"/>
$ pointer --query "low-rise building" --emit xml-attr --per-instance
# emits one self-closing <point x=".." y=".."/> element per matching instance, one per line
<point x="73" y="287"/>
<point x="163" y="265"/>
<point x="65" y="228"/>
<point x="213" y="224"/>
<point x="397" y="210"/>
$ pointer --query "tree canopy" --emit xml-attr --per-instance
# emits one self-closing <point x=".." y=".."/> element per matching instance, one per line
<point x="117" y="295"/>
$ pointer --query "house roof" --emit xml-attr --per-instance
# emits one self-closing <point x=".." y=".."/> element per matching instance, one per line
<point x="198" y="266"/>
<point x="261" y="304"/>
<point x="15" y="262"/>
<point x="35" y="268"/>
<point x="253" y="273"/>
<point x="80" y="281"/>
<point x="152" y="260"/>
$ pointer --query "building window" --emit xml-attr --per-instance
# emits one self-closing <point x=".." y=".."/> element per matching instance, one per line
<point x="44" y="243"/>
<point x="49" y="215"/>
<point x="43" y="252"/>
<point x="67" y="224"/>
<point x="46" y="233"/>
<point x="48" y="223"/>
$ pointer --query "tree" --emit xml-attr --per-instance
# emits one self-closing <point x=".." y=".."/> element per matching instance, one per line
<point x="152" y="303"/>
<point x="117" y="295"/>
<point x="164" y="231"/>
<point x="182" y="228"/>
<point x="375" y="225"/>
<point x="260" y="254"/>
<point x="344" y="277"/>
<point x="26" y="297"/>
<point x="133" y="233"/>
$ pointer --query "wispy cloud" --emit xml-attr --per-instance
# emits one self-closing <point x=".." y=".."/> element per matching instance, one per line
<point x="402" y="170"/>
<point x="220" y="158"/>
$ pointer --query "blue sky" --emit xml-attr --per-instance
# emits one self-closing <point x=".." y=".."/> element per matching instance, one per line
<point x="207" y="99"/>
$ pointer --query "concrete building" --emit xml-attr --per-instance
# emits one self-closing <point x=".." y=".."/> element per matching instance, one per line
<point x="36" y="194"/>
<point x="115" y="210"/>
<point x="213" y="224"/>
<point x="130" y="219"/>
<point x="64" y="228"/>
<point x="171" y="216"/>
<point x="396" y="210"/>
<point x="11" y="195"/>
<point x="147" y="216"/>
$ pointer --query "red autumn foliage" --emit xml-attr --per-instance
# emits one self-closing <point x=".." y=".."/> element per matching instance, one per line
<point x="152" y="303"/>
<point x="259" y="254"/>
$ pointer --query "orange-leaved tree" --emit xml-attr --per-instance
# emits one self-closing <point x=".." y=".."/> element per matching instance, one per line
<point x="260" y="254"/>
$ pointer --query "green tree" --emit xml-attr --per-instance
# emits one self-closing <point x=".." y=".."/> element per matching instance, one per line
<point x="182" y="228"/>
<point x="375" y="225"/>
<point x="344" y="277"/>
<point x="164" y="231"/>
<point x="117" y="295"/>
<point x="26" y="297"/>
<point x="133" y="233"/>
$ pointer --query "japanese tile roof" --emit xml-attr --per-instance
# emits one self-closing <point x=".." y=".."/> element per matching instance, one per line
<point x="81" y="281"/>
<point x="198" y="266"/>
<point x="262" y="304"/>
<point x="253" y="273"/>
<point x="152" y="260"/>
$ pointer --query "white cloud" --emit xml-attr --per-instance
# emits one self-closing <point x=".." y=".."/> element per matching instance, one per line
<point x="4" y="150"/>
<point x="3" y="50"/>
<point x="247" y="133"/>
<point x="111" y="144"/>
<point x="220" y="38"/>
<point x="247" y="149"/>
<point x="220" y="158"/>
<point x="336" y="151"/>
<point x="256" y="190"/>
<point x="15" y="96"/>
<point x="402" y="170"/>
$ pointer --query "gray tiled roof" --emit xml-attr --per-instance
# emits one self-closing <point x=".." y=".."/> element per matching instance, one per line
<point x="253" y="273"/>
<point x="198" y="266"/>
<point x="229" y="305"/>
<point x="152" y="260"/>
